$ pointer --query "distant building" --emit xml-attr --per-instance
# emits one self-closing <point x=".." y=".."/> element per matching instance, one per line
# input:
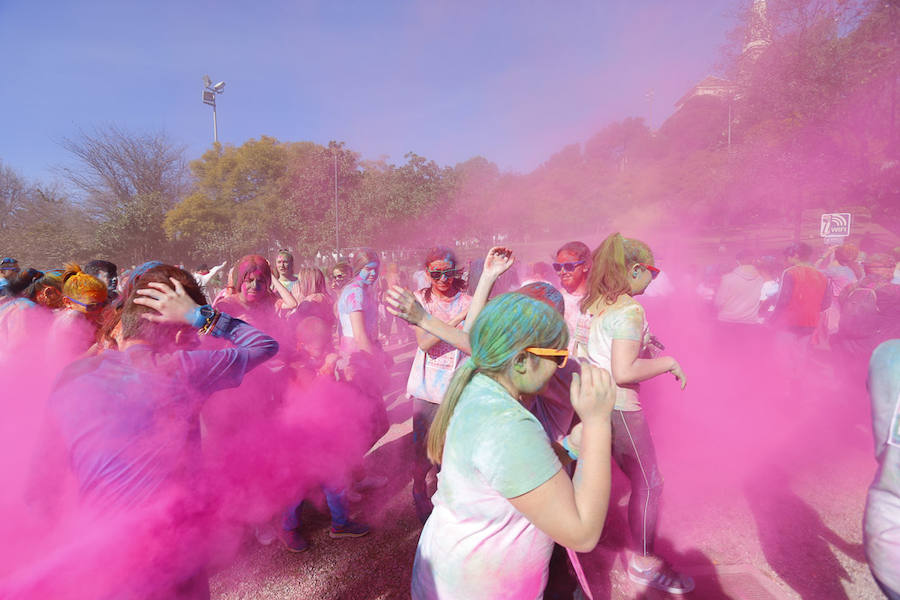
<point x="710" y="86"/>
<point x="756" y="40"/>
<point x="759" y="33"/>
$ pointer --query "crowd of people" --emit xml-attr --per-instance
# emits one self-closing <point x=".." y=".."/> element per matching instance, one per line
<point x="182" y="395"/>
<point x="842" y="303"/>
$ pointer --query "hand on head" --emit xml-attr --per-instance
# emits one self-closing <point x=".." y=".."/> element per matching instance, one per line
<point x="172" y="305"/>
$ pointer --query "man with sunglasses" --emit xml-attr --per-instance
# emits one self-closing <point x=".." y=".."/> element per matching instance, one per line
<point x="572" y="265"/>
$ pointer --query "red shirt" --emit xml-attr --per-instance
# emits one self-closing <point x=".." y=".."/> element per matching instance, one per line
<point x="802" y="297"/>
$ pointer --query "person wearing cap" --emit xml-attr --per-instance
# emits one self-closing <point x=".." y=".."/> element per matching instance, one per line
<point x="9" y="267"/>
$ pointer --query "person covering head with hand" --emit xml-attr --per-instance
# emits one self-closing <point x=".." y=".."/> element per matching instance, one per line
<point x="618" y="339"/>
<point x="134" y="411"/>
<point x="503" y="497"/>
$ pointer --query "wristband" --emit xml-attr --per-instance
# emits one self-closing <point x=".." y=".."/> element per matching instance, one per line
<point x="565" y="444"/>
<point x="196" y="316"/>
<point x="204" y="318"/>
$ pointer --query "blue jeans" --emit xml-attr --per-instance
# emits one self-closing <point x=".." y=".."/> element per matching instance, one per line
<point x="423" y="415"/>
<point x="337" y="504"/>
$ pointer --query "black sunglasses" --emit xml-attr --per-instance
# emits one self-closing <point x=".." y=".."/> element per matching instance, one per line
<point x="449" y="273"/>
<point x="568" y="267"/>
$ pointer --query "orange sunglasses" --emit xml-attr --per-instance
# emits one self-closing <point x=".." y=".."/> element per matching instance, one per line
<point x="561" y="357"/>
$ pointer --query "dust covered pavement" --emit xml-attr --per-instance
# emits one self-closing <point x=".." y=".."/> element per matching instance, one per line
<point x="792" y="529"/>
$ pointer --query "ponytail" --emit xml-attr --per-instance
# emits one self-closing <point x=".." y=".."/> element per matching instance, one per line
<point x="507" y="325"/>
<point x="608" y="278"/>
<point x="437" y="434"/>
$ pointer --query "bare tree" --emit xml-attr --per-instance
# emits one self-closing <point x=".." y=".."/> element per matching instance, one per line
<point x="13" y="194"/>
<point x="127" y="183"/>
<point x="115" y="167"/>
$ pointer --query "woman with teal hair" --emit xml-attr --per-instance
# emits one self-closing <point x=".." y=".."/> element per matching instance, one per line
<point x="502" y="497"/>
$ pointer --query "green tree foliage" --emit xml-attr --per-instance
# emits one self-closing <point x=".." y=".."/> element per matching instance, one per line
<point x="267" y="194"/>
<point x="805" y="116"/>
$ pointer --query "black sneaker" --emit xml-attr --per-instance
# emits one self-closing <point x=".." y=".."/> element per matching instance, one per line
<point x="348" y="530"/>
<point x="293" y="541"/>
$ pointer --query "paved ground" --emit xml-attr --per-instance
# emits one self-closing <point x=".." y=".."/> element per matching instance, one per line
<point x="766" y="502"/>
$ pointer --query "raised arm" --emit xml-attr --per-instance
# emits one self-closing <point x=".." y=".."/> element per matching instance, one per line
<point x="216" y="269"/>
<point x="496" y="263"/>
<point x="572" y="511"/>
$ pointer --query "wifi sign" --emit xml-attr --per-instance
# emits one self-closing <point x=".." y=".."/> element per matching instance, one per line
<point x="835" y="225"/>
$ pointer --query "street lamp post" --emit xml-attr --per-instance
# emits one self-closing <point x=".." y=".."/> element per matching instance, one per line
<point x="209" y="97"/>
<point x="337" y="235"/>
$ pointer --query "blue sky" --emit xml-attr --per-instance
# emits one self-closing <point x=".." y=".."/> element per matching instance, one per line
<point x="511" y="81"/>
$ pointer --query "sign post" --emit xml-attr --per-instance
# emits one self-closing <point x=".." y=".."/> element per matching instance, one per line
<point x="835" y="227"/>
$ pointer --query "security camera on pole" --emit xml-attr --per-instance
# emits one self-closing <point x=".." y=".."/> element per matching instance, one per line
<point x="209" y="97"/>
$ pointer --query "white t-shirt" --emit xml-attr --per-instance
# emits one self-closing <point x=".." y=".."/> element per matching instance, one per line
<point x="623" y="320"/>
<point x="432" y="371"/>
<point x="476" y="544"/>
<point x="578" y="323"/>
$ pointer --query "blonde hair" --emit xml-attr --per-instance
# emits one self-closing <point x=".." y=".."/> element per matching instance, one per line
<point x="608" y="278"/>
<point x="507" y="325"/>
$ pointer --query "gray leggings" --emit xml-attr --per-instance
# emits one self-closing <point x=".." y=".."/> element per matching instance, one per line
<point x="633" y="451"/>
